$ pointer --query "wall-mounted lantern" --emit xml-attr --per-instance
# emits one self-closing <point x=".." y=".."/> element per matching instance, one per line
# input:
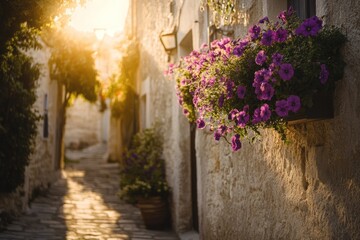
<point x="168" y="40"/>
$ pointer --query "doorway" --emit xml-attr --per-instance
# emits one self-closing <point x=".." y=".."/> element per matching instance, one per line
<point x="186" y="46"/>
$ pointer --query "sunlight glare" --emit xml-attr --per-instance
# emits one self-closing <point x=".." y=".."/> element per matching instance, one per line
<point x="100" y="14"/>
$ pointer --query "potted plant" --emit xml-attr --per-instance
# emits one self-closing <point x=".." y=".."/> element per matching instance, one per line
<point x="142" y="178"/>
<point x="264" y="80"/>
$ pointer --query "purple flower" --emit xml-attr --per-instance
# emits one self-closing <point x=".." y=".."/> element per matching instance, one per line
<point x="254" y="32"/>
<point x="265" y="91"/>
<point x="293" y="103"/>
<point x="232" y="114"/>
<point x="282" y="108"/>
<point x="238" y="51"/>
<point x="240" y="91"/>
<point x="310" y="27"/>
<point x="256" y="116"/>
<point x="286" y="71"/>
<point x="264" y="19"/>
<point x="324" y="74"/>
<point x="282" y="16"/>
<point x="200" y="123"/>
<point x="260" y="58"/>
<point x="222" y="43"/>
<point x="277" y="58"/>
<point x="242" y="118"/>
<point x="235" y="142"/>
<point x="267" y="38"/>
<point x="281" y="35"/>
<point x="265" y="112"/>
<point x="261" y="114"/>
<point x="217" y="135"/>
<point x="186" y="112"/>
<point x="262" y="75"/>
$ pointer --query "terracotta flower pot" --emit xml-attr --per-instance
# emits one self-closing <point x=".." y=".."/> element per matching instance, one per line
<point x="155" y="212"/>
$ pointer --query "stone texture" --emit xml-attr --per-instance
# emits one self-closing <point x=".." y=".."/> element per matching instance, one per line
<point x="83" y="124"/>
<point x="308" y="189"/>
<point x="83" y="204"/>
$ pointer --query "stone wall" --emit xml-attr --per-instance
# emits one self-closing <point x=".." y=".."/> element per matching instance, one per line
<point x="42" y="170"/>
<point x="83" y="124"/>
<point x="307" y="189"/>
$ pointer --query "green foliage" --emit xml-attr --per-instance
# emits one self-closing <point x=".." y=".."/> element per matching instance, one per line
<point x="36" y="13"/>
<point x="121" y="87"/>
<point x="142" y="169"/>
<point x="239" y="86"/>
<point x="18" y="78"/>
<point x="20" y="23"/>
<point x="72" y="65"/>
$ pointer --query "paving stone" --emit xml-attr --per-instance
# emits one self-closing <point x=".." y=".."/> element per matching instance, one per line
<point x="83" y="205"/>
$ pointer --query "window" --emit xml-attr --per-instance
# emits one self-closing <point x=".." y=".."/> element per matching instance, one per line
<point x="46" y="118"/>
<point x="303" y="8"/>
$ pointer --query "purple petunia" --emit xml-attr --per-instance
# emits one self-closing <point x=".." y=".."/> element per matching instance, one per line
<point x="281" y="35"/>
<point x="217" y="135"/>
<point x="310" y="27"/>
<point x="324" y="74"/>
<point x="238" y="51"/>
<point x="264" y="20"/>
<point x="240" y="91"/>
<point x="254" y="32"/>
<point x="261" y="114"/>
<point x="277" y="58"/>
<point x="286" y="71"/>
<point x="282" y="16"/>
<point x="260" y="58"/>
<point x="267" y="38"/>
<point x="293" y="103"/>
<point x="235" y="142"/>
<point x="242" y="118"/>
<point x="262" y="75"/>
<point x="232" y="114"/>
<point x="264" y="91"/>
<point x="281" y="108"/>
<point x="265" y="112"/>
<point x="220" y="132"/>
<point x="240" y="47"/>
<point x="200" y="123"/>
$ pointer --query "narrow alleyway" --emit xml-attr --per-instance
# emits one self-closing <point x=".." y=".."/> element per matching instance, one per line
<point x="83" y="205"/>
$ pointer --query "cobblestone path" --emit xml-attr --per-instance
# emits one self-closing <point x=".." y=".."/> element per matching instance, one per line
<point x="83" y="205"/>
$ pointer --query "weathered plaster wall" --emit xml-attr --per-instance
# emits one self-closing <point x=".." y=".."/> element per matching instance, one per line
<point x="151" y="18"/>
<point x="40" y="172"/>
<point x="308" y="189"/>
<point x="83" y="124"/>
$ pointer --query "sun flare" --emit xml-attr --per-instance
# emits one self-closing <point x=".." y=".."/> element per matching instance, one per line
<point x="108" y="15"/>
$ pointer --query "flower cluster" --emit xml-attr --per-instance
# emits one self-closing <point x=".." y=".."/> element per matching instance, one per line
<point x="142" y="169"/>
<point x="233" y="86"/>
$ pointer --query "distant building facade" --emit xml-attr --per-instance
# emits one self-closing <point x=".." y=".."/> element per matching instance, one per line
<point x="309" y="189"/>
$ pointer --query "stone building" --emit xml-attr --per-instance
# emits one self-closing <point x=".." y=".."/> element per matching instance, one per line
<point x="309" y="189"/>
<point x="45" y="164"/>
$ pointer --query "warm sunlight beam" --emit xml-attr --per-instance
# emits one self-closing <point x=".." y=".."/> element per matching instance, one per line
<point x="101" y="14"/>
